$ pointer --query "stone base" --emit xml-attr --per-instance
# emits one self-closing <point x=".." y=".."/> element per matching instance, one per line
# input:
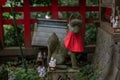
<point x="68" y="74"/>
<point x="61" y="67"/>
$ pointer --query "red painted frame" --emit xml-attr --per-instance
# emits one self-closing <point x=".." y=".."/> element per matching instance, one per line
<point x="1" y="27"/>
<point x="27" y="21"/>
<point x="27" y="24"/>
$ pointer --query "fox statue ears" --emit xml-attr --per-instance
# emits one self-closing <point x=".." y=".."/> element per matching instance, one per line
<point x="74" y="17"/>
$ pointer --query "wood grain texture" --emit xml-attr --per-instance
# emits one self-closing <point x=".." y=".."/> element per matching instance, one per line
<point x="45" y="28"/>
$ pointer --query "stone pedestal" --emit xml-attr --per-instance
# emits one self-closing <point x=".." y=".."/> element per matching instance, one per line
<point x="68" y="74"/>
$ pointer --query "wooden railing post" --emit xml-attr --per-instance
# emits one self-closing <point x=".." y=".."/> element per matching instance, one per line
<point x="27" y="24"/>
<point x="82" y="10"/>
<point x="54" y="9"/>
<point x="1" y="28"/>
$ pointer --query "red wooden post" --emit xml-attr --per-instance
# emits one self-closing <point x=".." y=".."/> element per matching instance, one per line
<point x="1" y="27"/>
<point x="2" y="2"/>
<point x="27" y="25"/>
<point x="54" y="9"/>
<point x="82" y="11"/>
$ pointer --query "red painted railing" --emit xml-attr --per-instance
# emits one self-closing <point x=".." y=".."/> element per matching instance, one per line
<point x="54" y="9"/>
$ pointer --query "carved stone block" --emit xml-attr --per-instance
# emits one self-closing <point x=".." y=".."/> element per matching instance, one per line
<point x="63" y="75"/>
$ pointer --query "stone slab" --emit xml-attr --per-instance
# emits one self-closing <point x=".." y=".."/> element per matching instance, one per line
<point x="68" y="74"/>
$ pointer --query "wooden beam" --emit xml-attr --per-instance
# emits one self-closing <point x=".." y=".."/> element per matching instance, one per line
<point x="15" y="51"/>
<point x="82" y="10"/>
<point x="19" y="21"/>
<point x="33" y="21"/>
<point x="49" y="8"/>
<point x="89" y="8"/>
<point x="10" y="22"/>
<point x="16" y="9"/>
<point x="41" y="9"/>
<point x="33" y="9"/>
<point x="92" y="20"/>
<point x="68" y="8"/>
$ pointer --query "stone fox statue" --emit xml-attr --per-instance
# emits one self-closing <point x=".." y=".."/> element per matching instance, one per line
<point x="72" y="44"/>
<point x="73" y="40"/>
<point x="56" y="50"/>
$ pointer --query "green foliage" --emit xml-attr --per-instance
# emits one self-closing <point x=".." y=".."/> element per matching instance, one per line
<point x="92" y="2"/>
<point x="18" y="15"/>
<point x="7" y="15"/>
<point x="92" y="15"/>
<point x="20" y="73"/>
<point x="30" y="75"/>
<point x="9" y="31"/>
<point x="68" y="2"/>
<point x="41" y="2"/>
<point x="10" y="35"/>
<point x="87" y="73"/>
<point x="90" y="35"/>
<point x="66" y="15"/>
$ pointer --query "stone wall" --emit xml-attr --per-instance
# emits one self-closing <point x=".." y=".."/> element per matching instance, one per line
<point x="107" y="58"/>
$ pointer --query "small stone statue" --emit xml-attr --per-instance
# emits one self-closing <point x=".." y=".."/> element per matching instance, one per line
<point x="11" y="75"/>
<point x="44" y="55"/>
<point x="73" y="41"/>
<point x="52" y="62"/>
<point x="39" y="57"/>
<point x="42" y="71"/>
<point x="56" y="50"/>
<point x="114" y="21"/>
<point x="39" y="69"/>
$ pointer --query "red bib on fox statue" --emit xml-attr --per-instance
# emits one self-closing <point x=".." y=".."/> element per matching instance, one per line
<point x="2" y="2"/>
<point x="73" y="41"/>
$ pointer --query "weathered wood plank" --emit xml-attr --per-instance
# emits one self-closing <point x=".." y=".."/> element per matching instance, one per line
<point x="52" y="22"/>
<point x="45" y="28"/>
<point x="52" y="29"/>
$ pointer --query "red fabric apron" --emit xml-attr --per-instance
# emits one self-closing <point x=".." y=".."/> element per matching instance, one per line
<point x="73" y="42"/>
